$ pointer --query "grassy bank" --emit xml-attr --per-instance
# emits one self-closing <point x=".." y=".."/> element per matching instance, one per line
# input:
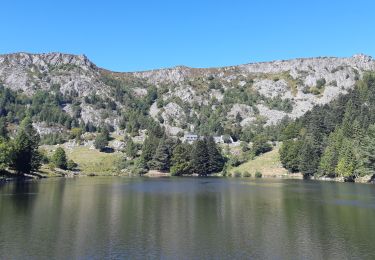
<point x="90" y="161"/>
<point x="268" y="164"/>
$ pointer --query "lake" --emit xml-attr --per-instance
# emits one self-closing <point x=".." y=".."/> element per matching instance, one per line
<point x="186" y="218"/>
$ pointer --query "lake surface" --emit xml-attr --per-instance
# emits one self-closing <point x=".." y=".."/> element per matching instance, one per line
<point x="186" y="218"/>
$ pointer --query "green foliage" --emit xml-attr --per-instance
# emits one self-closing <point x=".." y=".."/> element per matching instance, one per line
<point x="330" y="156"/>
<point x="215" y="159"/>
<point x="59" y="158"/>
<point x="320" y="83"/>
<point x="347" y="160"/>
<point x="278" y="103"/>
<point x="258" y="174"/>
<point x="131" y="149"/>
<point x="24" y="155"/>
<point x="206" y="157"/>
<point x="52" y="139"/>
<point x="5" y="151"/>
<point x="180" y="160"/>
<point x="200" y="158"/>
<point x="75" y="133"/>
<point x="261" y="145"/>
<point x="149" y="147"/>
<point x="289" y="155"/>
<point x="246" y="174"/>
<point x="161" y="159"/>
<point x="71" y="165"/>
<point x="101" y="141"/>
<point x="336" y="139"/>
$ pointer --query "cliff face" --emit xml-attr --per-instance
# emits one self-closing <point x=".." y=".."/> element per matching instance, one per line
<point x="30" y="72"/>
<point x="275" y="89"/>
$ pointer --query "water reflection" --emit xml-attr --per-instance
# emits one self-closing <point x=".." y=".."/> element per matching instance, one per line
<point x="186" y="218"/>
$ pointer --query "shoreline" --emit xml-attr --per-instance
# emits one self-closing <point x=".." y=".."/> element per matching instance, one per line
<point x="368" y="179"/>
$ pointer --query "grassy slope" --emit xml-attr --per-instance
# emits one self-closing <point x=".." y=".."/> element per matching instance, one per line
<point x="268" y="164"/>
<point x="91" y="161"/>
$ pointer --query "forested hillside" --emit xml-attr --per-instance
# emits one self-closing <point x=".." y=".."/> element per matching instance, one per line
<point x="337" y="139"/>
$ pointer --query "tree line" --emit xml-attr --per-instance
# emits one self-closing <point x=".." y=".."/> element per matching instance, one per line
<point x="161" y="153"/>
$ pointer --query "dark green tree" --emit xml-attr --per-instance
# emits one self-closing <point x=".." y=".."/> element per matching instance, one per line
<point x="215" y="159"/>
<point x="3" y="128"/>
<point x="261" y="145"/>
<point x="161" y="159"/>
<point x="200" y="158"/>
<point x="101" y="142"/>
<point x="24" y="155"/>
<point x="329" y="159"/>
<point x="289" y="155"/>
<point x="131" y="148"/>
<point x="309" y="157"/>
<point x="180" y="160"/>
<point x="367" y="153"/>
<point x="59" y="158"/>
<point x="5" y="150"/>
<point x="149" y="147"/>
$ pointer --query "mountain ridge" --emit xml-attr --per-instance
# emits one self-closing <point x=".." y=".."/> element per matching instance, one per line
<point x="256" y="93"/>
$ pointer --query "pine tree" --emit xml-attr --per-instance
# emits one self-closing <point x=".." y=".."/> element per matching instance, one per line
<point x="347" y="160"/>
<point x="215" y="159"/>
<point x="4" y="153"/>
<point x="161" y="159"/>
<point x="24" y="155"/>
<point x="200" y="158"/>
<point x="309" y="157"/>
<point x="3" y="129"/>
<point x="367" y="153"/>
<point x="180" y="160"/>
<point x="131" y="148"/>
<point x="289" y="155"/>
<point x="330" y="156"/>
<point x="149" y="147"/>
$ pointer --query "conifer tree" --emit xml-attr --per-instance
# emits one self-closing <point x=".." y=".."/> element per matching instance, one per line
<point x="180" y="160"/>
<point x="330" y="156"/>
<point x="347" y="161"/>
<point x="215" y="159"/>
<point x="367" y="153"/>
<point x="161" y="159"/>
<point x="24" y="156"/>
<point x="200" y="158"/>
<point x="309" y="157"/>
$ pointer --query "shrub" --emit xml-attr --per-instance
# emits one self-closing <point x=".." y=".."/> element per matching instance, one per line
<point x="59" y="158"/>
<point x="237" y="174"/>
<point x="71" y="165"/>
<point x="246" y="174"/>
<point x="101" y="141"/>
<point x="320" y="83"/>
<point x="258" y="174"/>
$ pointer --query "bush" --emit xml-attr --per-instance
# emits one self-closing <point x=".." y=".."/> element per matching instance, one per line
<point x="71" y="165"/>
<point x="258" y="174"/>
<point x="237" y="174"/>
<point x="59" y="158"/>
<point x="246" y="174"/>
<point x="320" y="83"/>
<point x="101" y="141"/>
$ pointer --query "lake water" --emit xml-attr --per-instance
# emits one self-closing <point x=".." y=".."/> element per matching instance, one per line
<point x="186" y="218"/>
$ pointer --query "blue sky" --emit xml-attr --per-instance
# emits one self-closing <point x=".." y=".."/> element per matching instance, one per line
<point x="140" y="35"/>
